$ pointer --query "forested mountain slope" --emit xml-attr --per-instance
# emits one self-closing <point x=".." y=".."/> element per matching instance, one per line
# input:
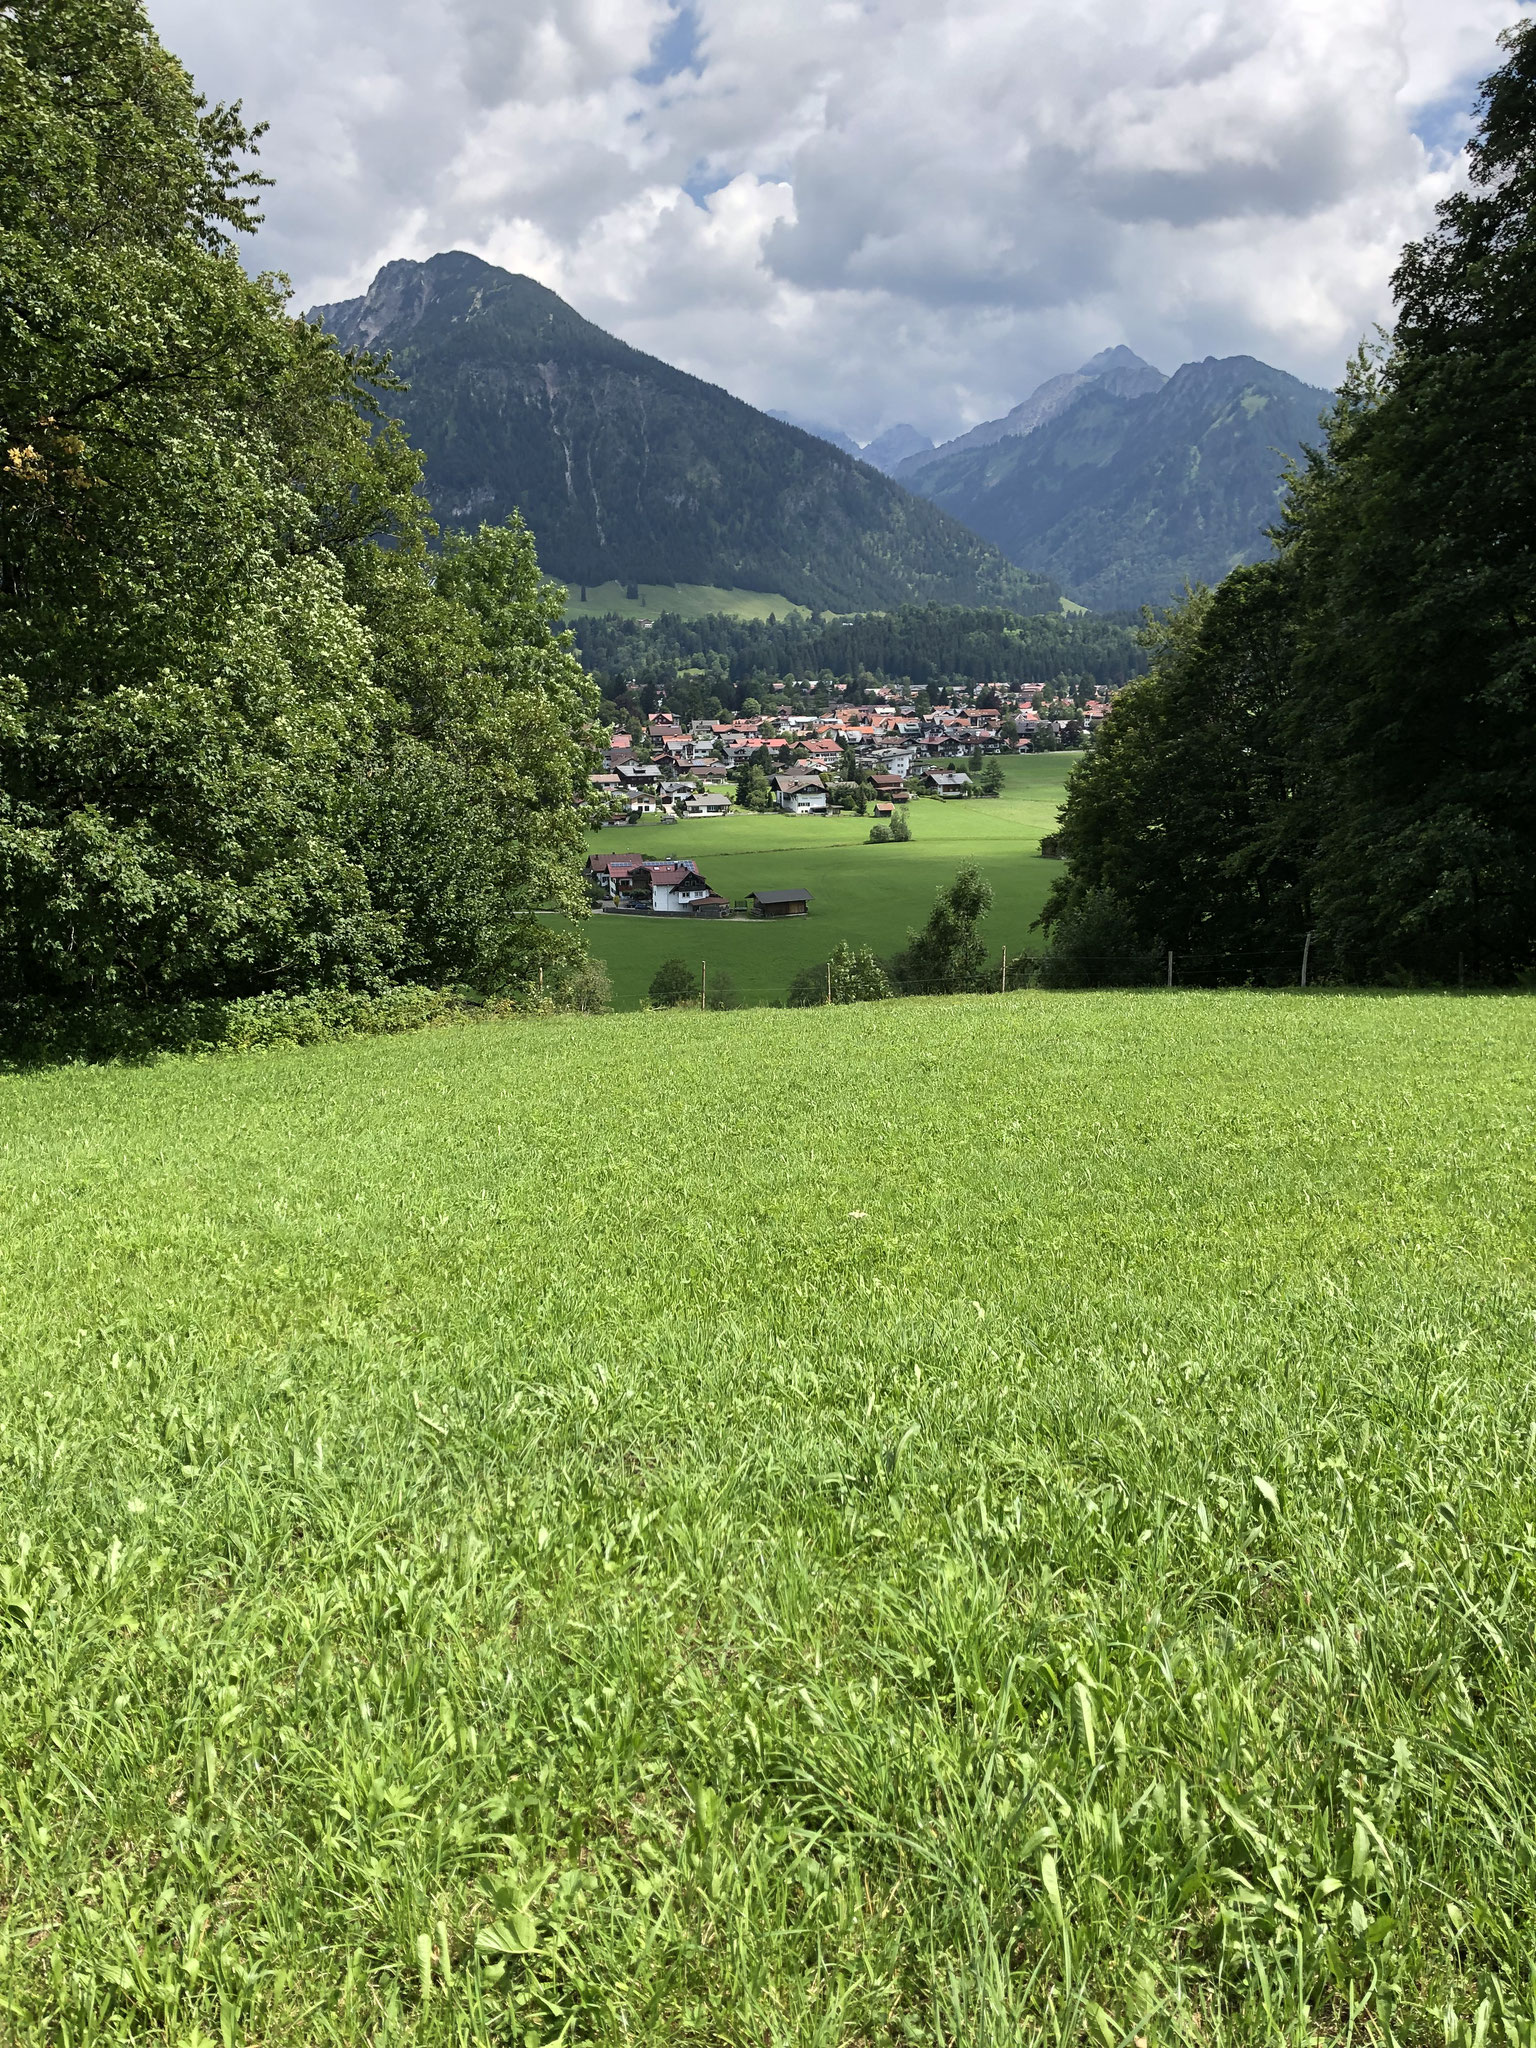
<point x="1121" y="499"/>
<point x="628" y="469"/>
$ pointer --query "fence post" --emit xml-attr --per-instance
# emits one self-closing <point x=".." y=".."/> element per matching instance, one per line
<point x="703" y="984"/>
<point x="1004" y="990"/>
<point x="1170" y="967"/>
<point x="829" y="984"/>
<point x="1306" y="955"/>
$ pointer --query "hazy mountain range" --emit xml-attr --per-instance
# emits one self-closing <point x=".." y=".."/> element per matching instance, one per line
<point x="628" y="469"/>
<point x="1121" y="483"/>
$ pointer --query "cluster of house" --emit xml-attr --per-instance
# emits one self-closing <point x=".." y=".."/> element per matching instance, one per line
<point x="674" y="888"/>
<point x="886" y="745"/>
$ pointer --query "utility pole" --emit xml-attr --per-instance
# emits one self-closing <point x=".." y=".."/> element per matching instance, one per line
<point x="1306" y="956"/>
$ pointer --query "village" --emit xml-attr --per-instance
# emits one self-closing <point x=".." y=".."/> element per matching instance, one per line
<point x="862" y="758"/>
<point x="817" y="764"/>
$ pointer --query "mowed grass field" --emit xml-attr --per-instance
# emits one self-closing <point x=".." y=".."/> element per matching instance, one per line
<point x="686" y="600"/>
<point x="868" y="895"/>
<point x="951" y="1522"/>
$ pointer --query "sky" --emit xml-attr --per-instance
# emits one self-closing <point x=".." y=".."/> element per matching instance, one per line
<point x="870" y="211"/>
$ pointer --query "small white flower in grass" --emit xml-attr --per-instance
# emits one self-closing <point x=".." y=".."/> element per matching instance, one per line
<point x="137" y="1506"/>
<point x="858" y="1214"/>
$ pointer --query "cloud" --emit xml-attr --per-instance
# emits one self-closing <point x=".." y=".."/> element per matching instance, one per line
<point x="871" y="210"/>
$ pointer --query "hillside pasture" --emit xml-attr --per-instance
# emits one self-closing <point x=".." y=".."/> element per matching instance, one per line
<point x="946" y="1522"/>
<point x="686" y="600"/>
<point x="868" y="895"/>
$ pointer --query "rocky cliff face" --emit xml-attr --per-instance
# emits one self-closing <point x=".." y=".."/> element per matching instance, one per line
<point x="628" y="469"/>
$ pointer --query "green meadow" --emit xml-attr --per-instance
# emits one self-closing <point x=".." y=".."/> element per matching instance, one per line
<point x="868" y="895"/>
<point x="952" y="1522"/>
<point x="686" y="600"/>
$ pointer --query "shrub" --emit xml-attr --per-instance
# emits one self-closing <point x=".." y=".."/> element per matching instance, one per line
<point x="947" y="957"/>
<point x="852" y="975"/>
<point x="1095" y="945"/>
<point x="880" y="834"/>
<point x="901" y="830"/>
<point x="673" y="985"/>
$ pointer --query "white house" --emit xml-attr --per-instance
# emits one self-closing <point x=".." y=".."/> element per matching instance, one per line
<point x="802" y="796"/>
<point x="706" y="805"/>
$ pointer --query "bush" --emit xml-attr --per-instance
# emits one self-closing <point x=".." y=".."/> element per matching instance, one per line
<point x="947" y="957"/>
<point x="901" y="830"/>
<point x="852" y="975"/>
<point x="673" y="985"/>
<point x="880" y="834"/>
<point x="719" y="991"/>
<point x="1094" y="944"/>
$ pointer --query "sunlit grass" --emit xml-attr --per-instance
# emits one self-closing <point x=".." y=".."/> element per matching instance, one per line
<point x="864" y="895"/>
<point x="947" y="1522"/>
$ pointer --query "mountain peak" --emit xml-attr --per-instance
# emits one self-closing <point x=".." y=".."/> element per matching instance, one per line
<point x="629" y="470"/>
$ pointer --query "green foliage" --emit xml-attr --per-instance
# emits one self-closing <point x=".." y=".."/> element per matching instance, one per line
<point x="720" y="991"/>
<point x="880" y="833"/>
<point x="752" y="790"/>
<point x="244" y="748"/>
<point x="852" y="975"/>
<point x="901" y="829"/>
<point x="920" y="644"/>
<point x="1412" y="541"/>
<point x="948" y="956"/>
<point x="1095" y="944"/>
<point x="1343" y="741"/>
<point x="674" y="985"/>
<point x="630" y="470"/>
<point x="749" y="1641"/>
<point x="989" y="777"/>
<point x="1182" y="811"/>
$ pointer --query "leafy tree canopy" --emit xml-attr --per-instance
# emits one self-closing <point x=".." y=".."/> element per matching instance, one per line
<point x="243" y="746"/>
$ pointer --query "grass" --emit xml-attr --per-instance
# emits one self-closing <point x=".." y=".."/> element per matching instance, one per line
<point x="869" y="895"/>
<point x="686" y="600"/>
<point x="947" y="1522"/>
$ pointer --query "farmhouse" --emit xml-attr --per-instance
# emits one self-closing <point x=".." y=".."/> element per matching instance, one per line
<point x="705" y="804"/>
<point x="944" y="782"/>
<point x="666" y="888"/>
<point x="800" y="795"/>
<point x="889" y="787"/>
<point x="780" y="902"/>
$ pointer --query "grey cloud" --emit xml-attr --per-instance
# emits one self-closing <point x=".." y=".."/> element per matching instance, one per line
<point x="916" y="209"/>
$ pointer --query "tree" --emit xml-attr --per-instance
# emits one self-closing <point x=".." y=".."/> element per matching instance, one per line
<point x="1095" y="944"/>
<point x="719" y="991"/>
<point x="880" y="833"/>
<point x="1183" y="813"/>
<point x="230" y="720"/>
<point x="1413" y="536"/>
<point x="752" y="791"/>
<point x="674" y="985"/>
<point x="852" y="975"/>
<point x="990" y="780"/>
<point x="948" y="955"/>
<point x="901" y="830"/>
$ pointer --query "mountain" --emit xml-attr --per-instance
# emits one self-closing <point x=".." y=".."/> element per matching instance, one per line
<point x="833" y="434"/>
<point x="1112" y="369"/>
<point x="1120" y="498"/>
<point x="895" y="446"/>
<point x="628" y="469"/>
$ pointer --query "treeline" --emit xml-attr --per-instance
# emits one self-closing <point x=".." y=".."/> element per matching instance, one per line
<point x="256" y="736"/>
<point x="929" y="646"/>
<point x="1341" y="740"/>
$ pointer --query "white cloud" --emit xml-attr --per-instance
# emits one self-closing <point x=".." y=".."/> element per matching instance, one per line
<point x="871" y="210"/>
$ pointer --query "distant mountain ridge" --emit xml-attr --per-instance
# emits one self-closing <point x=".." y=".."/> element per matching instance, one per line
<point x="628" y="469"/>
<point x="1116" y="369"/>
<point x="1122" y="494"/>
